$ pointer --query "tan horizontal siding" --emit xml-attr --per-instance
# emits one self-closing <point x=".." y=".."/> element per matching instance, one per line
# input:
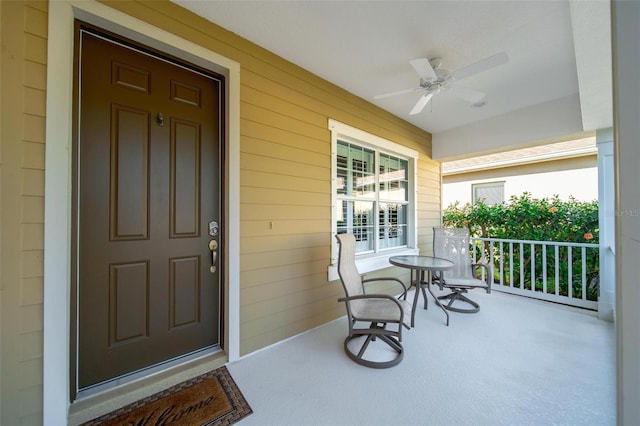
<point x="280" y="180"/>
<point x="274" y="258"/>
<point x="426" y="185"/>
<point x="283" y="288"/>
<point x="32" y="209"/>
<point x="23" y="31"/>
<point x="251" y="161"/>
<point x="427" y="200"/>
<point x="267" y="243"/>
<point x="294" y="149"/>
<point x="35" y="48"/>
<point x="283" y="213"/>
<point x="301" y="271"/>
<point x="287" y="316"/>
<point x="35" y="19"/>
<point x="262" y="114"/>
<point x="258" y="336"/>
<point x="287" y="300"/>
<point x="429" y="204"/>
<point x="282" y="197"/>
<point x="32" y="155"/>
<point x="283" y="107"/>
<point x="35" y="75"/>
<point x="34" y="128"/>
<point x="429" y="170"/>
<point x="429" y="216"/>
<point x="285" y="227"/>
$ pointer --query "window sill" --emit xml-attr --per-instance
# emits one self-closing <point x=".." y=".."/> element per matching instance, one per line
<point x="374" y="263"/>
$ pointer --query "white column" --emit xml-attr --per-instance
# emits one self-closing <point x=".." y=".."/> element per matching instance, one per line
<point x="625" y="33"/>
<point x="606" y="219"/>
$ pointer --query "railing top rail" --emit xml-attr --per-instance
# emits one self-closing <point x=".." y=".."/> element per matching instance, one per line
<point x="547" y="243"/>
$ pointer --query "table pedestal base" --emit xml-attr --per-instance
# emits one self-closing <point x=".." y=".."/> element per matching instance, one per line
<point x="420" y="283"/>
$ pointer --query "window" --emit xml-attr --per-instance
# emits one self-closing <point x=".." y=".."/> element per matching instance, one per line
<point x="373" y="195"/>
<point x="366" y="181"/>
<point x="491" y="192"/>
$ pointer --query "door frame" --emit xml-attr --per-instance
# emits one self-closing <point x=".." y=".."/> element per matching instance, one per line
<point x="58" y="178"/>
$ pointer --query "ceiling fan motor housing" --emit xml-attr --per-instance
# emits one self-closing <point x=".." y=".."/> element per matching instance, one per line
<point x="435" y="62"/>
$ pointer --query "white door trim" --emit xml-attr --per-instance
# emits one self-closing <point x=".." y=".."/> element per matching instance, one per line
<point x="58" y="200"/>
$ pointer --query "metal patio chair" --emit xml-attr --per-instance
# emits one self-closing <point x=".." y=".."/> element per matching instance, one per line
<point x="378" y="310"/>
<point x="453" y="244"/>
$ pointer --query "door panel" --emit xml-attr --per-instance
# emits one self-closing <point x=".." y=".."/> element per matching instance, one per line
<point x="185" y="291"/>
<point x="148" y="185"/>
<point x="185" y="178"/>
<point x="129" y="173"/>
<point x="128" y="302"/>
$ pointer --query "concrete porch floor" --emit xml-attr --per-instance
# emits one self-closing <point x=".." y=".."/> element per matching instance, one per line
<point x="516" y="362"/>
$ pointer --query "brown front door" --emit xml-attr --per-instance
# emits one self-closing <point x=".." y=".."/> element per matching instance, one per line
<point x="148" y="187"/>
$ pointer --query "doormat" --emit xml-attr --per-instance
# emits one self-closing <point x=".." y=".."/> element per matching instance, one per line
<point x="210" y="399"/>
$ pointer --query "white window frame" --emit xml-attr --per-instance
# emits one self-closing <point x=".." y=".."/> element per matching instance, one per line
<point x="373" y="261"/>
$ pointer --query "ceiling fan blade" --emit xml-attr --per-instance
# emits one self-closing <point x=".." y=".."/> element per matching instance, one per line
<point x="422" y="102"/>
<point x="469" y="95"/>
<point x="397" y="93"/>
<point x="480" y="66"/>
<point x="424" y="69"/>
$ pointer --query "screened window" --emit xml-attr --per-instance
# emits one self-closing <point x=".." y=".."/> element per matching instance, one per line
<point x="491" y="193"/>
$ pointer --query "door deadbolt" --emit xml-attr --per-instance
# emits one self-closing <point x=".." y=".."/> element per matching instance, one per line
<point x="213" y="228"/>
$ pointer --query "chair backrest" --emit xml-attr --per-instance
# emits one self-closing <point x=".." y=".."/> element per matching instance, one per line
<point x="347" y="269"/>
<point x="453" y="244"/>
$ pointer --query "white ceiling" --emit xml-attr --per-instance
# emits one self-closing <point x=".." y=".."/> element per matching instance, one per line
<point x="557" y="50"/>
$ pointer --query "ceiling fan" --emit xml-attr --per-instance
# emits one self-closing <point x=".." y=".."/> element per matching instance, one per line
<point x="434" y="80"/>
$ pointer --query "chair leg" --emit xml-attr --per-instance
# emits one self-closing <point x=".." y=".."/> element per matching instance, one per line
<point x="390" y="340"/>
<point x="394" y="343"/>
<point x="365" y="345"/>
<point x="457" y="295"/>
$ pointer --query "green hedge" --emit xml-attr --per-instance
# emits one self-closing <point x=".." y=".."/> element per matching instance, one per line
<point x="527" y="218"/>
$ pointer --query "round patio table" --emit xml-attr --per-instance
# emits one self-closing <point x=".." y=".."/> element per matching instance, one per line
<point x="419" y="265"/>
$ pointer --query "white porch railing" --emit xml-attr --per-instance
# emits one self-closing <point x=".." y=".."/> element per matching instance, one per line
<point x="566" y="273"/>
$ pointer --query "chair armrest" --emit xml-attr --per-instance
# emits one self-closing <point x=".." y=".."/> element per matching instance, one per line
<point x="374" y="296"/>
<point x="404" y="287"/>
<point x="488" y="274"/>
<point x="369" y="296"/>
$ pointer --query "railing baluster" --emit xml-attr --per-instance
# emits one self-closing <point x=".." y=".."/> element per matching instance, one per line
<point x="474" y="255"/>
<point x="544" y="268"/>
<point x="491" y="251"/>
<point x="501" y="264"/>
<point x="511" y="264"/>
<point x="584" y="273"/>
<point x="557" y="289"/>
<point x="533" y="267"/>
<point x="521" y="266"/>
<point x="570" y="272"/>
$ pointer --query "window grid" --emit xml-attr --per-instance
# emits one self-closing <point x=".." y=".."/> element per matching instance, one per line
<point x="363" y="188"/>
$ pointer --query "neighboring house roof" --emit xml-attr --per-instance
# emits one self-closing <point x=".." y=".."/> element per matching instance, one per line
<point x="554" y="151"/>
